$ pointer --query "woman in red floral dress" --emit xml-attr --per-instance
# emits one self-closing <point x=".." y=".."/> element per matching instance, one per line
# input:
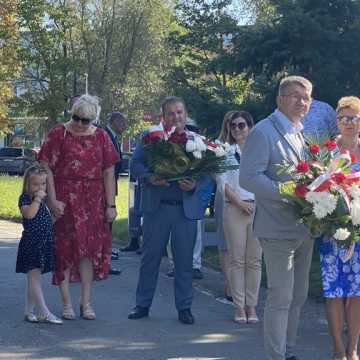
<point x="80" y="159"/>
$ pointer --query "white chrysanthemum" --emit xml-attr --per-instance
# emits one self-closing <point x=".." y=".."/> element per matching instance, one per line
<point x="190" y="146"/>
<point x="311" y="197"/>
<point x="200" y="145"/>
<point x="341" y="234"/>
<point x="197" y="154"/>
<point x="323" y="203"/>
<point x="319" y="211"/>
<point x="354" y="191"/>
<point x="355" y="211"/>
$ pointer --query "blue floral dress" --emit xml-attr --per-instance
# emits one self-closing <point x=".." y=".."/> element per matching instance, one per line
<point x="340" y="278"/>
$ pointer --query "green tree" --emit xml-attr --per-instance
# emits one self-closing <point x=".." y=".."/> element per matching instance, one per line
<point x="319" y="39"/>
<point x="125" y="55"/>
<point x="119" y="44"/>
<point x="202" y="71"/>
<point x="9" y="61"/>
<point x="46" y="52"/>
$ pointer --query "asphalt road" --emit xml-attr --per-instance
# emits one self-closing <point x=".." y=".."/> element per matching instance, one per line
<point x="160" y="337"/>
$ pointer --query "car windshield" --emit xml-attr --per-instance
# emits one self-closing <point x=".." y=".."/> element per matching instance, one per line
<point x="8" y="151"/>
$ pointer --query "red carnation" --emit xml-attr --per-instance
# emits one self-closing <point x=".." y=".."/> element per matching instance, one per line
<point x="330" y="145"/>
<point x="314" y="148"/>
<point x="301" y="190"/>
<point x="354" y="158"/>
<point x="338" y="178"/>
<point x="302" y="167"/>
<point x="178" y="138"/>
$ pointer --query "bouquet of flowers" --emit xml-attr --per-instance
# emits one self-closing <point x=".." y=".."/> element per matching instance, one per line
<point x="326" y="193"/>
<point x="174" y="156"/>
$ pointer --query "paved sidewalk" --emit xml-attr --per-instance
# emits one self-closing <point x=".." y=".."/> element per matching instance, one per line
<point x="161" y="337"/>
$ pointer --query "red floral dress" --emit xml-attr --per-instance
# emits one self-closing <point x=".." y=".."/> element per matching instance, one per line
<point x="77" y="163"/>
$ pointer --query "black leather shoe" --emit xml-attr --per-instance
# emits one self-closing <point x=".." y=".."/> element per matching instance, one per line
<point x="186" y="317"/>
<point x="293" y="357"/>
<point x="197" y="274"/>
<point x="114" y="271"/>
<point x="133" y="246"/>
<point x="114" y="256"/>
<point x="138" y="312"/>
<point x="170" y="273"/>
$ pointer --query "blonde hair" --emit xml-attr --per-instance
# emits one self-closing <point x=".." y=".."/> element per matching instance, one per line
<point x="35" y="169"/>
<point x="294" y="80"/>
<point x="86" y="107"/>
<point x="225" y="133"/>
<point x="348" y="102"/>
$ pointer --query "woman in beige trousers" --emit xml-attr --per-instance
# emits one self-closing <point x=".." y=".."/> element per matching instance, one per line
<point x="238" y="207"/>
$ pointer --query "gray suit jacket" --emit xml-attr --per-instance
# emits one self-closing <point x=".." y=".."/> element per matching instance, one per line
<point x="267" y="146"/>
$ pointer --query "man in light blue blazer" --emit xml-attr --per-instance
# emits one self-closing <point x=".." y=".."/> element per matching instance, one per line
<point x="168" y="208"/>
<point x="286" y="244"/>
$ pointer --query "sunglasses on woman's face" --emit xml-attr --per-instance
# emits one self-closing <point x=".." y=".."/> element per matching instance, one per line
<point x="346" y="120"/>
<point x="240" y="126"/>
<point x="83" y="120"/>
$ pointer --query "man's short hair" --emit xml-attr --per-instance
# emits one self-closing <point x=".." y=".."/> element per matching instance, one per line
<point x="116" y="115"/>
<point x="294" y="80"/>
<point x="170" y="100"/>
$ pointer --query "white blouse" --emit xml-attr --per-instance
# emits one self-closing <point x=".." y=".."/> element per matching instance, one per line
<point x="231" y="178"/>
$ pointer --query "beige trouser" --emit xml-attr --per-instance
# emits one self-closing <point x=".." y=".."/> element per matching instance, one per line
<point x="245" y="257"/>
<point x="287" y="268"/>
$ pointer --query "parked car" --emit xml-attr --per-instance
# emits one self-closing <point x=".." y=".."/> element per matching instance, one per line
<point x="15" y="160"/>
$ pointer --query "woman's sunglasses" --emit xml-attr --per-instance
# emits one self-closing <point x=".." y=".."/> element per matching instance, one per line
<point x="83" y="120"/>
<point x="240" y="126"/>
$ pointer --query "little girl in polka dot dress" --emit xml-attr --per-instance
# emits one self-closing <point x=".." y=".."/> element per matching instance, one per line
<point x="36" y="248"/>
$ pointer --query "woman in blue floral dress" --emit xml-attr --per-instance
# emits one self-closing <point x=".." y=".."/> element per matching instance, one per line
<point x="341" y="275"/>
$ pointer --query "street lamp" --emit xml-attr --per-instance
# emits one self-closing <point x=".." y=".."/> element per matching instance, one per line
<point x="86" y="83"/>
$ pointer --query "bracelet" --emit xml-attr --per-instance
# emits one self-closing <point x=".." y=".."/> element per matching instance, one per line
<point x="111" y="206"/>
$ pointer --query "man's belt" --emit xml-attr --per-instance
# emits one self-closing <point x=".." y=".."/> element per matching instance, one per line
<point x="171" y="202"/>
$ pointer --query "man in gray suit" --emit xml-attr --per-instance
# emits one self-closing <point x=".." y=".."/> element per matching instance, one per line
<point x="286" y="244"/>
<point x="168" y="208"/>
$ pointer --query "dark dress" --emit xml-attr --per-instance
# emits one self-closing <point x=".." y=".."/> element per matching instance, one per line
<point x="36" y="247"/>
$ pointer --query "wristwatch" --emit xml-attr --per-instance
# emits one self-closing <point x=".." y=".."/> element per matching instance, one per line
<point x="111" y="206"/>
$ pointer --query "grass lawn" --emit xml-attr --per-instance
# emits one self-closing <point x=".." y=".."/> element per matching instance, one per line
<point x="10" y="189"/>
